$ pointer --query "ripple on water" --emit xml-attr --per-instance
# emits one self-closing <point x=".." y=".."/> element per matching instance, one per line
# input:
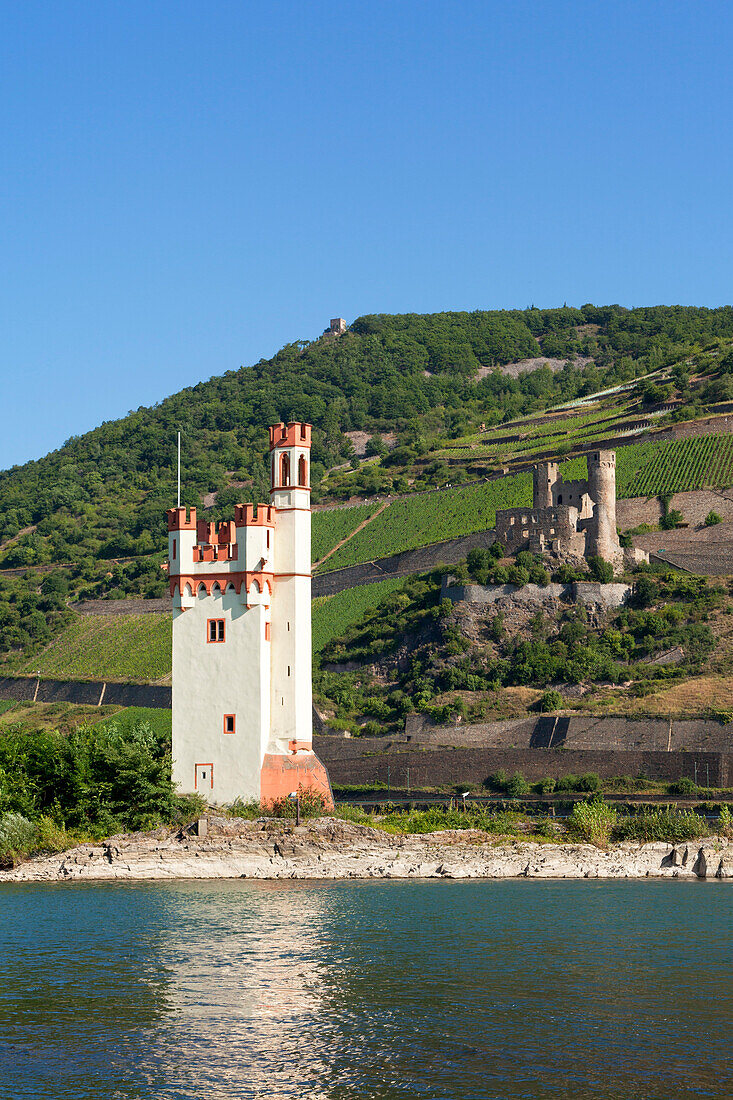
<point x="365" y="990"/>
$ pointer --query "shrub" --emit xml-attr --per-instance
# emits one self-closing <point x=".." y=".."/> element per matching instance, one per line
<point x="683" y="786"/>
<point x="539" y="575"/>
<point x="590" y="782"/>
<point x="17" y="834"/>
<point x="645" y="591"/>
<point x="551" y="700"/>
<point x="50" y="837"/>
<point x="661" y="823"/>
<point x="593" y="821"/>
<point x="517" y="786"/>
<point x="568" y="782"/>
<point x="497" y="781"/>
<point x="312" y="804"/>
<point x="600" y="569"/>
<point x="725" y="820"/>
<point x="671" y="519"/>
<point x="712" y="518"/>
<point x="546" y="785"/>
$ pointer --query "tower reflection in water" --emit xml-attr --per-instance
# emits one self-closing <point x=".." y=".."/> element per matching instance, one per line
<point x="243" y="991"/>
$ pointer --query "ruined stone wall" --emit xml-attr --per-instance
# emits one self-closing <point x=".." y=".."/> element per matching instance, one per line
<point x="535" y="529"/>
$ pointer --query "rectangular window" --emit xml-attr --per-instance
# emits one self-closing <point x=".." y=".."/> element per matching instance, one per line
<point x="268" y="538"/>
<point x="215" y="630"/>
<point x="230" y="723"/>
<point x="174" y="548"/>
<point x="267" y="632"/>
<point x="288" y="670"/>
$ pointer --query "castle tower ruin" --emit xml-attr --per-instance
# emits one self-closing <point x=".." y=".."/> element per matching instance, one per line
<point x="544" y="477"/>
<point x="602" y="537"/>
<point x="569" y="519"/>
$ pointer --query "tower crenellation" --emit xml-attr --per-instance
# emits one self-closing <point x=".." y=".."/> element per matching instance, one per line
<point x="242" y="678"/>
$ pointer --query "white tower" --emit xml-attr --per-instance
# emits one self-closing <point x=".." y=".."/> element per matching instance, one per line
<point x="242" y="694"/>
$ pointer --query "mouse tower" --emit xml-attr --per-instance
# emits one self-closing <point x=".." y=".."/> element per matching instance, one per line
<point x="241" y="591"/>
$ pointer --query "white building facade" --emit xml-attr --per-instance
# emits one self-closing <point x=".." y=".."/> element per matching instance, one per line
<point x="241" y="591"/>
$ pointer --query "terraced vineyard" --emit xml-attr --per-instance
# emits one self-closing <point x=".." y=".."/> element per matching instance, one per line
<point x="682" y="465"/>
<point x="107" y="647"/>
<point x="332" y="615"/>
<point x="329" y="527"/>
<point x="433" y="517"/>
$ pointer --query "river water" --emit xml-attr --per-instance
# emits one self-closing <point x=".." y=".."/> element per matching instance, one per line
<point x="366" y="990"/>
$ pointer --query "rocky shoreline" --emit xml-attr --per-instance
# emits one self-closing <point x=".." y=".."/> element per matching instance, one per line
<point x="327" y="848"/>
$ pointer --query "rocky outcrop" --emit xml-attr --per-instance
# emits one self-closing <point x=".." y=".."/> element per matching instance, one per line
<point x="332" y="849"/>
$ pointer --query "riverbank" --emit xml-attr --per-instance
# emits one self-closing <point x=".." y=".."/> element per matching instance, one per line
<point x="328" y="848"/>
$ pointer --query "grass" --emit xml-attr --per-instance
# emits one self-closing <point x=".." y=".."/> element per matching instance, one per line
<point x="332" y="615"/>
<point x="432" y="517"/>
<point x="52" y="716"/>
<point x="329" y="527"/>
<point x="108" y="647"/>
<point x="132" y="717"/>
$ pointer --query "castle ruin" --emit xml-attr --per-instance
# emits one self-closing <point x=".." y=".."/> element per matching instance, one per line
<point x="569" y="519"/>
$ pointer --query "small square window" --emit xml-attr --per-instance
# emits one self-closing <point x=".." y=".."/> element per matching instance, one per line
<point x="230" y="723"/>
<point x="267" y="632"/>
<point x="215" y="630"/>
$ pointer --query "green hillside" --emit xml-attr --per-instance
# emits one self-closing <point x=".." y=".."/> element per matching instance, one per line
<point x="92" y="511"/>
<point x="108" y="647"/>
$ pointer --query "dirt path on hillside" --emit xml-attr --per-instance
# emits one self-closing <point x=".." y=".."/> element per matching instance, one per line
<point x="364" y="523"/>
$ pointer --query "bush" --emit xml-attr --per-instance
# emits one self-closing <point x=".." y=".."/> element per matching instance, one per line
<point x="517" y="786"/>
<point x="551" y="700"/>
<point x="593" y="821"/>
<point x="645" y="591"/>
<point x="539" y="575"/>
<point x="17" y="835"/>
<point x="568" y="782"/>
<point x="712" y="518"/>
<point x="661" y="823"/>
<point x="671" y="519"/>
<point x="684" y="786"/>
<point x="312" y="804"/>
<point x="600" y="569"/>
<point x="497" y="781"/>
<point x="546" y="785"/>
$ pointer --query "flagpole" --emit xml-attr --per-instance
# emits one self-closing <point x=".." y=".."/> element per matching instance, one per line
<point x="179" y="469"/>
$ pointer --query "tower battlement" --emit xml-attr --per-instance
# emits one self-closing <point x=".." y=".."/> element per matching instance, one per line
<point x="241" y="591"/>
<point x="177" y="519"/>
<point x="254" y="515"/>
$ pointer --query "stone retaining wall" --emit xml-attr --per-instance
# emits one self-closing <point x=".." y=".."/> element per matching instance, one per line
<point x="404" y="766"/>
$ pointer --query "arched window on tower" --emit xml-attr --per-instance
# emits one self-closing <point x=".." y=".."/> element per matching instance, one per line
<point x="285" y="470"/>
<point x="302" y="471"/>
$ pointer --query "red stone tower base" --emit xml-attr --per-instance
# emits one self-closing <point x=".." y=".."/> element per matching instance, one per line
<point x="301" y="770"/>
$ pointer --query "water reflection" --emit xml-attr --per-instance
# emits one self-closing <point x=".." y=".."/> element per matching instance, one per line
<point x="365" y="991"/>
<point x="244" y="991"/>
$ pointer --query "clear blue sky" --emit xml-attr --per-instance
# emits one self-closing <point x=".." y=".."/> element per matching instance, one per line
<point x="185" y="187"/>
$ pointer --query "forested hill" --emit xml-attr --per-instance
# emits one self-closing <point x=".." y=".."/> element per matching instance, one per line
<point x="425" y="378"/>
